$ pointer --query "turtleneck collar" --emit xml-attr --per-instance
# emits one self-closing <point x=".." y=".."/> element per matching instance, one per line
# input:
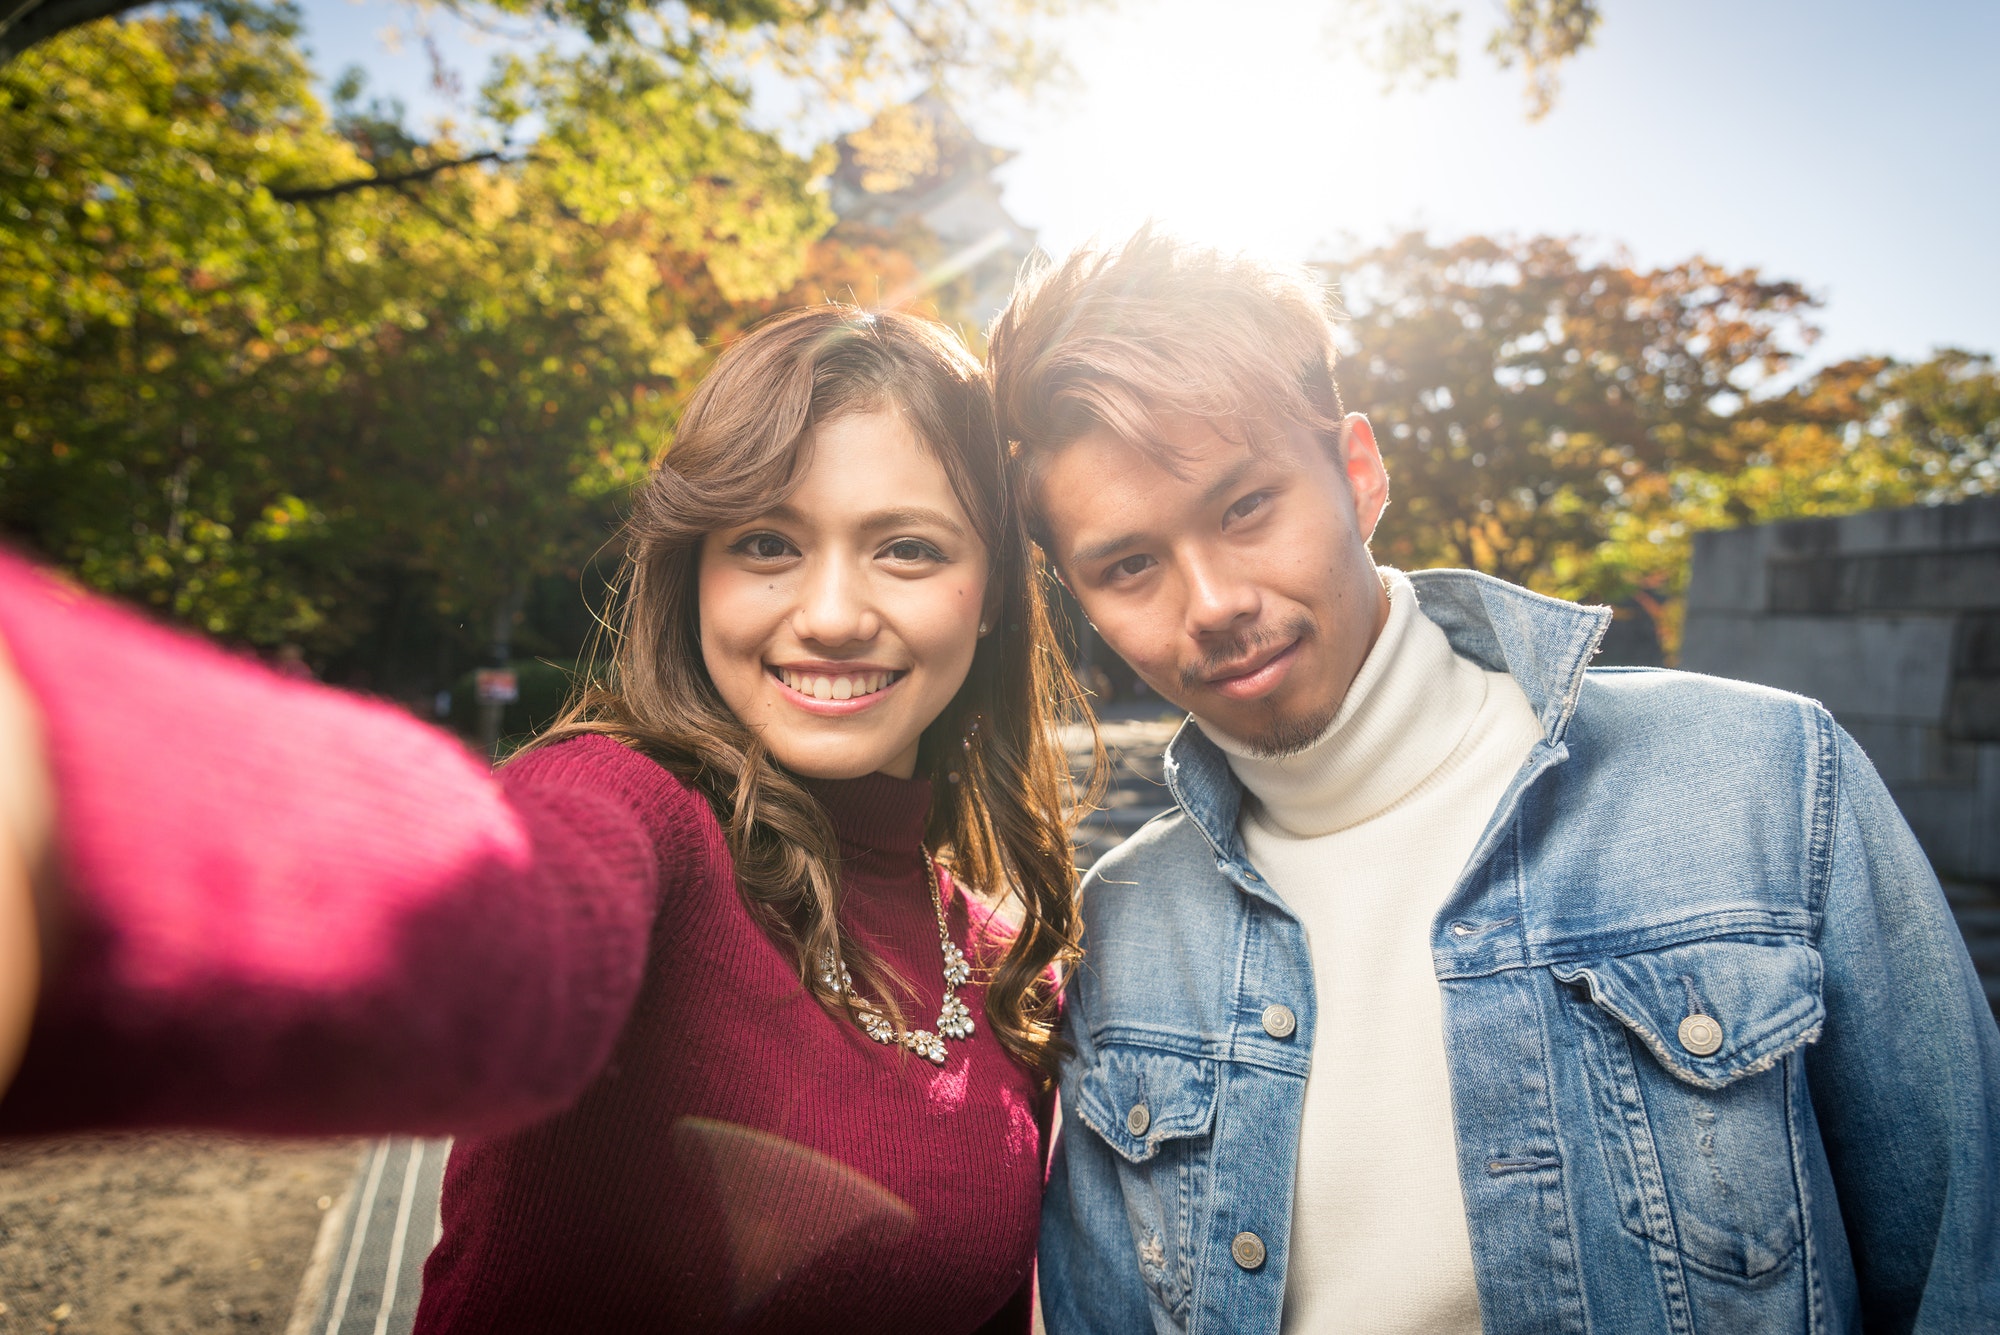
<point x="875" y="813"/>
<point x="1404" y="715"/>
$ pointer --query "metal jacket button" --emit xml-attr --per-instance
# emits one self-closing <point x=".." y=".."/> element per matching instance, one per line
<point x="1701" y="1035"/>
<point x="1279" y="1022"/>
<point x="1138" y="1119"/>
<point x="1248" y="1250"/>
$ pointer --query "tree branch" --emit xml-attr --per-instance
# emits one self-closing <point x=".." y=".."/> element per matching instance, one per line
<point x="313" y="193"/>
<point x="25" y="22"/>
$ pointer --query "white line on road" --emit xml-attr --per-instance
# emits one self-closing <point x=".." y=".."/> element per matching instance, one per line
<point x="400" y="1236"/>
<point x="361" y="1213"/>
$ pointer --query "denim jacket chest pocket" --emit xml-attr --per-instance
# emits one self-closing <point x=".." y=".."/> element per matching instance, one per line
<point x="1686" y="1053"/>
<point x="1156" y="1110"/>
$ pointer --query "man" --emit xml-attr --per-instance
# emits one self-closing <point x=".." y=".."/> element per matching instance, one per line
<point x="1468" y="987"/>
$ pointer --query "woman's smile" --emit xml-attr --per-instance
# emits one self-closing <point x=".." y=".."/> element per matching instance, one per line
<point x="834" y="688"/>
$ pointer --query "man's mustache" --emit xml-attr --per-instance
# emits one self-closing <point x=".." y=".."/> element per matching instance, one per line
<point x="1243" y="646"/>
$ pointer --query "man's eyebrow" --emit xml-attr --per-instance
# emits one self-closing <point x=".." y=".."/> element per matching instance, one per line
<point x="1099" y="551"/>
<point x="1230" y="480"/>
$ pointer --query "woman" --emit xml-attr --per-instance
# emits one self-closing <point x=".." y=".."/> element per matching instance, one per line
<point x="797" y="1075"/>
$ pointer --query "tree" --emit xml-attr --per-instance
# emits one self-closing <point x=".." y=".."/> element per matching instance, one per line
<point x="1419" y="40"/>
<point x="160" y="309"/>
<point x="1525" y="393"/>
<point x="552" y="315"/>
<point x="831" y="44"/>
<point x="237" y="386"/>
<point x="1870" y="433"/>
<point x="1568" y="423"/>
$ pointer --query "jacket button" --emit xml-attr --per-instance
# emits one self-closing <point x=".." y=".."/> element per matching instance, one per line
<point x="1138" y="1119"/>
<point x="1701" y="1035"/>
<point x="1248" y="1250"/>
<point x="1279" y="1022"/>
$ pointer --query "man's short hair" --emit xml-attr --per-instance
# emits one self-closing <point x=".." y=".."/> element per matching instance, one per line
<point x="1127" y="337"/>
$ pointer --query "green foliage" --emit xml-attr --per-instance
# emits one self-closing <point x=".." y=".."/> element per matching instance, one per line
<point x="828" y="48"/>
<point x="149" y="287"/>
<point x="1860" y="435"/>
<point x="235" y="384"/>
<point x="1568" y="424"/>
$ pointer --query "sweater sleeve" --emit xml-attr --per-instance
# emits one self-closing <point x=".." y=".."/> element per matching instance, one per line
<point x="280" y="908"/>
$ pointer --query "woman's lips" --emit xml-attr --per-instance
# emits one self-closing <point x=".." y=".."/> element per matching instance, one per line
<point x="1259" y="680"/>
<point x="834" y="692"/>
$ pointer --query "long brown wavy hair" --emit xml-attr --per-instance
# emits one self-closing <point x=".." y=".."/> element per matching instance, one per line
<point x="999" y="812"/>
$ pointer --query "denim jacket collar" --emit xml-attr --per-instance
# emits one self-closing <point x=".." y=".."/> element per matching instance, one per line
<point x="1543" y="643"/>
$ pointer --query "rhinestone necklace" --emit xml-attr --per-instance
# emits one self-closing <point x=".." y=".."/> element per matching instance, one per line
<point x="953" y="1021"/>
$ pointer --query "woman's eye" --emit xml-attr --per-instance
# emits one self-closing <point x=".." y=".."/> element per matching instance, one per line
<point x="910" y="549"/>
<point x="764" y="547"/>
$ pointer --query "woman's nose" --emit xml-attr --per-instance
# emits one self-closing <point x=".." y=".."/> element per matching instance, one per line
<point x="834" y="606"/>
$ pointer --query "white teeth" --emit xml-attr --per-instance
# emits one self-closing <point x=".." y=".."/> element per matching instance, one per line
<point x="835" y="688"/>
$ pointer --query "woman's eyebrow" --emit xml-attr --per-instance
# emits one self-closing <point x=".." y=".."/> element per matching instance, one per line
<point x="912" y="516"/>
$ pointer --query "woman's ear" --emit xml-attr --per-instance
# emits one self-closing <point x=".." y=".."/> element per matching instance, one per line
<point x="989" y="608"/>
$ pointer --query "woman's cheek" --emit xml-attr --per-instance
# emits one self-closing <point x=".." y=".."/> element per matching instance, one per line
<point x="954" y="621"/>
<point x="729" y="651"/>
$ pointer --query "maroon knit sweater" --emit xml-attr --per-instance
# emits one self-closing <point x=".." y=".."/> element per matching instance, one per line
<point x="746" y="1161"/>
<point x="287" y="910"/>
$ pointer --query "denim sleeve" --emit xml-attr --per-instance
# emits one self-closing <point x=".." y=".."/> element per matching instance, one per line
<point x="1906" y="1079"/>
<point x="1090" y="1282"/>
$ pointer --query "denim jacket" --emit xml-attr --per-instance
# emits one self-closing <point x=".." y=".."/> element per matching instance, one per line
<point x="1821" y="1155"/>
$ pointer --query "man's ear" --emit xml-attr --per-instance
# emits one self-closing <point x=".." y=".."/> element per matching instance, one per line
<point x="1367" y="480"/>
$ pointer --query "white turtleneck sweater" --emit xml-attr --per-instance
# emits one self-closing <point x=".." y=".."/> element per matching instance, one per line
<point x="1364" y="834"/>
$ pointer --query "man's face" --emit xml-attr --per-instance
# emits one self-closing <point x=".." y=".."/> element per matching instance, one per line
<point x="1242" y="589"/>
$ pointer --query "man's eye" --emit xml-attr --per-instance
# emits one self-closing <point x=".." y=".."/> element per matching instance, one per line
<point x="1249" y="504"/>
<point x="1131" y="565"/>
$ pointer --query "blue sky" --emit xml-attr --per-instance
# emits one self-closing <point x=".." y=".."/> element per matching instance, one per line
<point x="1852" y="146"/>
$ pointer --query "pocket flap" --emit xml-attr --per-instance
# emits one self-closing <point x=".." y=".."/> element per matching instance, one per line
<point x="1764" y="1000"/>
<point x="1136" y="1097"/>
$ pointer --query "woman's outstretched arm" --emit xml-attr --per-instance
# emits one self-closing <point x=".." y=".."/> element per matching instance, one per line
<point x="272" y="906"/>
<point x="26" y="820"/>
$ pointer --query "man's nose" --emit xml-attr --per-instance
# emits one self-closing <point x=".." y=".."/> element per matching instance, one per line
<point x="834" y="606"/>
<point x="1220" y="598"/>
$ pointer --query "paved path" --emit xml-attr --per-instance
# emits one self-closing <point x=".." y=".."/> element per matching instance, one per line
<point x="368" y="1267"/>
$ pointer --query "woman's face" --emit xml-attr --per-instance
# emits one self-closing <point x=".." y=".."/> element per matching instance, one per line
<point x="840" y="624"/>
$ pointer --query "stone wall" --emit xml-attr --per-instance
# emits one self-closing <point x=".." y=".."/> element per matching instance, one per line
<point x="1891" y="619"/>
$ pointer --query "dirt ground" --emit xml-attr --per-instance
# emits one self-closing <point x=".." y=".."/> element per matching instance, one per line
<point x="160" y="1235"/>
